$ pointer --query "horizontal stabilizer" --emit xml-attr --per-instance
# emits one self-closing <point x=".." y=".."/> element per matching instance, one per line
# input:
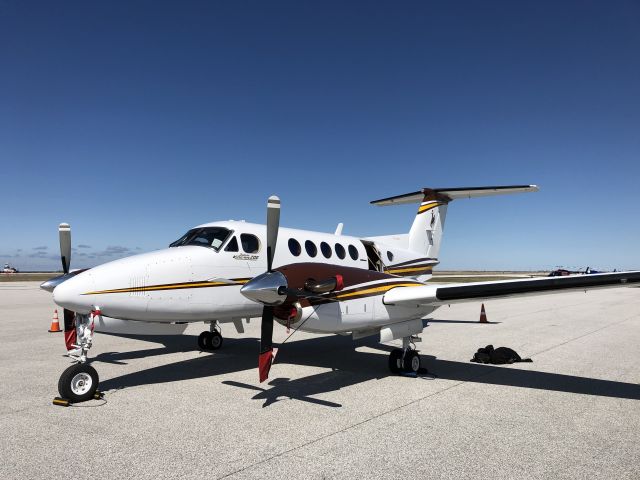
<point x="449" y="194"/>
<point x="467" y="292"/>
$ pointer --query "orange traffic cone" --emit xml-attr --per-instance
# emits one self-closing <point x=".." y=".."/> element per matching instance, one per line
<point x="483" y="315"/>
<point x="55" y="323"/>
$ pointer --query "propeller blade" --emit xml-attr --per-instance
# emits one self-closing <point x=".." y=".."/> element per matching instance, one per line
<point x="266" y="356"/>
<point x="64" y="232"/>
<point x="273" y="224"/>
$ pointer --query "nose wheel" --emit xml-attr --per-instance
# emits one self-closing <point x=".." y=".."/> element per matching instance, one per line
<point x="78" y="383"/>
<point x="211" y="340"/>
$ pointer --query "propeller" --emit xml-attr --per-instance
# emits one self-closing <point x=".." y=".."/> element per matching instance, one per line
<point x="64" y="232"/>
<point x="271" y="289"/>
<point x="273" y="224"/>
<point x="266" y="357"/>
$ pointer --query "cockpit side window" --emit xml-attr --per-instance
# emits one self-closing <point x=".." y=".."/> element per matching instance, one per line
<point x="250" y="243"/>
<point x="232" y="246"/>
<point x="212" y="237"/>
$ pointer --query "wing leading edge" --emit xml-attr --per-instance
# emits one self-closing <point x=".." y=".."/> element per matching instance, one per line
<point x="467" y="292"/>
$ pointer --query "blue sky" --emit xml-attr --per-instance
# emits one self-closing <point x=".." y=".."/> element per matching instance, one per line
<point x="135" y="120"/>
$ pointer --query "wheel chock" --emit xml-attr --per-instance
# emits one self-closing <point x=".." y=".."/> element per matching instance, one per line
<point x="61" y="402"/>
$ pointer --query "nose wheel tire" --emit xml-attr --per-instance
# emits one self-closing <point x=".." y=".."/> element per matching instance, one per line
<point x="78" y="383"/>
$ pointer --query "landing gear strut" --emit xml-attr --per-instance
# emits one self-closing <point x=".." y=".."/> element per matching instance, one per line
<point x="406" y="359"/>
<point x="80" y="381"/>
<point x="211" y="340"/>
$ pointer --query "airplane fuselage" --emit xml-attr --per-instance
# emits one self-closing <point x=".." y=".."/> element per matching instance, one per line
<point x="192" y="282"/>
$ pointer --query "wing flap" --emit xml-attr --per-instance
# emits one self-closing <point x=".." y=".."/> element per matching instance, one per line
<point x="467" y="292"/>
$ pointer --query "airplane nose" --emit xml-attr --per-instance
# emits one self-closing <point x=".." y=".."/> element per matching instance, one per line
<point x="52" y="283"/>
<point x="70" y="294"/>
<point x="266" y="288"/>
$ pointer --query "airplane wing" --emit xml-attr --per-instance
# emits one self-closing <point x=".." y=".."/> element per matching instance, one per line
<point x="472" y="292"/>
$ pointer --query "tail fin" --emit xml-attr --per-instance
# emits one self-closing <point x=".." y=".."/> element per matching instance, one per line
<point x="425" y="235"/>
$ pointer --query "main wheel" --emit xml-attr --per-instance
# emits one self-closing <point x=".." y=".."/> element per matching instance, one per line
<point x="78" y="382"/>
<point x="411" y="362"/>
<point x="214" y="342"/>
<point x="203" y="340"/>
<point x="395" y="358"/>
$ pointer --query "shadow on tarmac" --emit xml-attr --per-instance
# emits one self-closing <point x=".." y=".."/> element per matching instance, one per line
<point x="348" y="367"/>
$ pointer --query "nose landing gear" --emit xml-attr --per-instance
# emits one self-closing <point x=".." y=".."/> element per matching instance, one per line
<point x="80" y="381"/>
<point x="211" y="340"/>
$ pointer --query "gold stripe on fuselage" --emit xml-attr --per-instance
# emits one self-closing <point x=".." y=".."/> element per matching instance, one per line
<point x="426" y="269"/>
<point x="172" y="286"/>
<point x="376" y="289"/>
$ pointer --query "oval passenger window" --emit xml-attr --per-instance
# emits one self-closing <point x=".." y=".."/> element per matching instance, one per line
<point x="340" y="251"/>
<point x="353" y="251"/>
<point x="325" y="249"/>
<point x="311" y="248"/>
<point x="294" y="247"/>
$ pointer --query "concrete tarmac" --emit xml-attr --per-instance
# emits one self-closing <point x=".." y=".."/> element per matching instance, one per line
<point x="331" y="408"/>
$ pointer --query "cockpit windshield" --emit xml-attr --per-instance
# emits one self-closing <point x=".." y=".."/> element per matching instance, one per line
<point x="213" y="237"/>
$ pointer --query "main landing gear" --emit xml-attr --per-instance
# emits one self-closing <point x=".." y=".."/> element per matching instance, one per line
<point x="406" y="359"/>
<point x="80" y="381"/>
<point x="211" y="340"/>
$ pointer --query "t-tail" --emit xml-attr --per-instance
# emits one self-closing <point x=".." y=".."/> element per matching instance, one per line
<point x="425" y="236"/>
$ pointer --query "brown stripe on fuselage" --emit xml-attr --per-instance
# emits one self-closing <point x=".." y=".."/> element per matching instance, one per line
<point x="363" y="291"/>
<point x="298" y="273"/>
<point x="354" y="280"/>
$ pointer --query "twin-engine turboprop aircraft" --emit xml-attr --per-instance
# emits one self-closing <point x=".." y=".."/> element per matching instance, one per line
<point x="223" y="272"/>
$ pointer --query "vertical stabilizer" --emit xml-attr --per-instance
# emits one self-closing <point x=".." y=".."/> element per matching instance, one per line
<point x="425" y="235"/>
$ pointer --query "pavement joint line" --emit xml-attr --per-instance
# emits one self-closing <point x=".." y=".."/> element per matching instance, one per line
<point x="349" y="427"/>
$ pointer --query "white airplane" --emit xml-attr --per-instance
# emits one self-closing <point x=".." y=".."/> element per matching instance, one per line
<point x="223" y="272"/>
